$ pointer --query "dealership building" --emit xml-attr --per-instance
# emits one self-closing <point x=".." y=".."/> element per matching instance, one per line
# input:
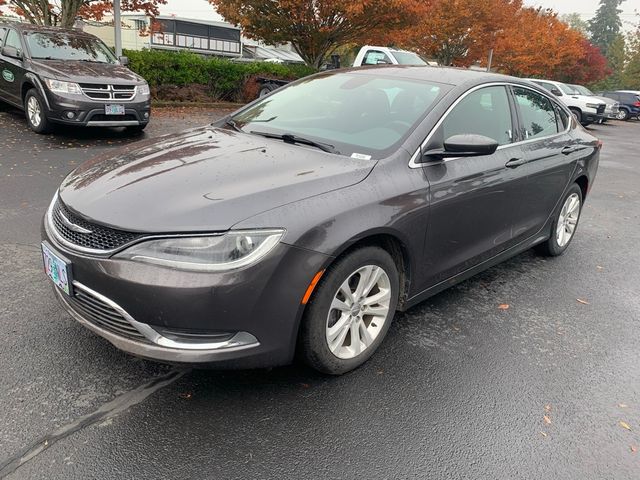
<point x="200" y="36"/>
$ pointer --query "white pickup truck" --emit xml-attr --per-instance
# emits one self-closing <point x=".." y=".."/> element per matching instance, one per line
<point x="373" y="55"/>
<point x="586" y="110"/>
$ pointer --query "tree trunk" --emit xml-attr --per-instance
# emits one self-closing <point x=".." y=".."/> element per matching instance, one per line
<point x="69" y="12"/>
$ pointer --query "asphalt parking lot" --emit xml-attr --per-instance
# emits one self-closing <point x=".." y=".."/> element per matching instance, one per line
<point x="527" y="371"/>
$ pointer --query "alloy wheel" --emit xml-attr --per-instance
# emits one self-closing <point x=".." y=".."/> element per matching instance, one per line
<point x="568" y="219"/>
<point x="358" y="312"/>
<point x="34" y="111"/>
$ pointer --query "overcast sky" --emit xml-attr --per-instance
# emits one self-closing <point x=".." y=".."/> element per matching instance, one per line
<point x="586" y="8"/>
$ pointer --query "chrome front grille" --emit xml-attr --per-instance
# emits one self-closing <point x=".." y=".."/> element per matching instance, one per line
<point x="77" y="232"/>
<point x="108" y="92"/>
<point x="102" y="314"/>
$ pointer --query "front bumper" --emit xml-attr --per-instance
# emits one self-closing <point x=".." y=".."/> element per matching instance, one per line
<point x="91" y="113"/>
<point x="252" y="314"/>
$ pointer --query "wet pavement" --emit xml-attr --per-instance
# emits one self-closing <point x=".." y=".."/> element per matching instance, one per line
<point x="463" y="386"/>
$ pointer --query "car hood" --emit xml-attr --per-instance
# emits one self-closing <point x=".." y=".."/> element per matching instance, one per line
<point x="205" y="179"/>
<point x="86" y="72"/>
<point x="605" y="100"/>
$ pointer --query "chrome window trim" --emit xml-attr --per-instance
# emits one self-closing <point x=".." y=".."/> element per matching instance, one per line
<point x="72" y="247"/>
<point x="413" y="161"/>
<point x="240" y="339"/>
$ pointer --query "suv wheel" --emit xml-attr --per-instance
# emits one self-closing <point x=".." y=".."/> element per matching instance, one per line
<point x="623" y="114"/>
<point x="35" y="112"/>
<point x="564" y="224"/>
<point x="577" y="114"/>
<point x="350" y="312"/>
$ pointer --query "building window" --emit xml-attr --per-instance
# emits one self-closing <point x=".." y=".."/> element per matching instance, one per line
<point x="140" y="24"/>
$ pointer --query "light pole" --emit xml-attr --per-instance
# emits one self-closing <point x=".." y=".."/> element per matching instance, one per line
<point x="118" y="27"/>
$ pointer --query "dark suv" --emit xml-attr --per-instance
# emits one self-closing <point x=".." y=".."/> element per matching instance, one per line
<point x="69" y="77"/>
<point x="629" y="103"/>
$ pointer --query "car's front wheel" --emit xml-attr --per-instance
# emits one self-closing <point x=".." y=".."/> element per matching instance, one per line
<point x="564" y="224"/>
<point x="623" y="114"/>
<point x="35" y="112"/>
<point x="350" y="311"/>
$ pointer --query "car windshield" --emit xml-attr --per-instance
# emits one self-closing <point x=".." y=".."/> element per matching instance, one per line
<point x="582" y="90"/>
<point x="357" y="114"/>
<point x="408" y="58"/>
<point x="567" y="89"/>
<point x="67" y="46"/>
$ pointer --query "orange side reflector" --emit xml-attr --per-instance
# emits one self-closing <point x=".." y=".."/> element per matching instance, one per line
<point x="312" y="285"/>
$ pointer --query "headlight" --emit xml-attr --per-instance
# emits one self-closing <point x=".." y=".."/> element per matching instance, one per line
<point x="63" y="87"/>
<point x="144" y="89"/>
<point x="215" y="253"/>
<point x="593" y="105"/>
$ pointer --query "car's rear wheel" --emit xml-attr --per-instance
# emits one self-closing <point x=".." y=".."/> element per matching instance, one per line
<point x="623" y="114"/>
<point x="350" y="311"/>
<point x="564" y="224"/>
<point x="35" y="112"/>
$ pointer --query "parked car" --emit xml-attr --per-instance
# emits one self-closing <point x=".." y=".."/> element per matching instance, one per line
<point x="375" y="55"/>
<point x="304" y="220"/>
<point x="60" y="76"/>
<point x="629" y="103"/>
<point x="586" y="110"/>
<point x="612" y="108"/>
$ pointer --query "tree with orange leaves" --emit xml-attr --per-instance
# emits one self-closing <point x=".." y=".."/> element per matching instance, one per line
<point x="64" y="12"/>
<point x="316" y="28"/>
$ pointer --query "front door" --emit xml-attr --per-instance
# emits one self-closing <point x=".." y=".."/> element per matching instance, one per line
<point x="11" y="69"/>
<point x="473" y="200"/>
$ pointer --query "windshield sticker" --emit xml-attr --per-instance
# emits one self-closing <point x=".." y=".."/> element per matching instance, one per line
<point x="8" y="75"/>
<point x="361" y="156"/>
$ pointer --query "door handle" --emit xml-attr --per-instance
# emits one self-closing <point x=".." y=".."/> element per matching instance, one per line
<point x="568" y="150"/>
<point x="515" y="162"/>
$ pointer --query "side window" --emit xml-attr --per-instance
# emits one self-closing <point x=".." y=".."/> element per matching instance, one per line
<point x="563" y="118"/>
<point x="537" y="113"/>
<point x="483" y="112"/>
<point x="375" y="57"/>
<point x="2" y="32"/>
<point x="13" y="40"/>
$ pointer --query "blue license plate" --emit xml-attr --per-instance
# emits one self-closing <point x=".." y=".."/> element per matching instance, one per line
<point x="57" y="269"/>
<point x="114" y="109"/>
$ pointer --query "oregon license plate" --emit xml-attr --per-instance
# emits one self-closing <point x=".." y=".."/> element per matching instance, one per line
<point x="114" y="109"/>
<point x="57" y="269"/>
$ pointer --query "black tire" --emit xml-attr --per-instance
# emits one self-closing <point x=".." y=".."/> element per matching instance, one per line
<point x="577" y="114"/>
<point x="44" y="126"/>
<point x="551" y="247"/>
<point x="623" y="114"/>
<point x="135" y="129"/>
<point x="313" y="344"/>
<point x="266" y="89"/>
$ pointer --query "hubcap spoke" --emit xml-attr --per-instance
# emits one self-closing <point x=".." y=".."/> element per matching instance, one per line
<point x="568" y="219"/>
<point x="355" y="339"/>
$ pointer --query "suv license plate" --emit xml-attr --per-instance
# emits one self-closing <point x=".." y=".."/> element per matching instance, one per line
<point x="114" y="109"/>
<point x="57" y="269"/>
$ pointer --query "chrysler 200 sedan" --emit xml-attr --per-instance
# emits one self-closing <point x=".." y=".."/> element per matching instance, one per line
<point x="302" y="222"/>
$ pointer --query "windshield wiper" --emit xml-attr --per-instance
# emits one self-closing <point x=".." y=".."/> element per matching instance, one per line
<point x="232" y="123"/>
<point x="293" y="139"/>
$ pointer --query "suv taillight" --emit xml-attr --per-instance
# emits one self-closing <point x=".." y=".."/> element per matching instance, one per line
<point x="637" y="104"/>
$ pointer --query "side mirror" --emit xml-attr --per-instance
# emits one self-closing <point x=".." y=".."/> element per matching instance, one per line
<point x="12" y="52"/>
<point x="556" y="92"/>
<point x="466" y="145"/>
<point x="124" y="61"/>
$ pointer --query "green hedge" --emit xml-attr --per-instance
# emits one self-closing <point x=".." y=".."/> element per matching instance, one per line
<point x="224" y="78"/>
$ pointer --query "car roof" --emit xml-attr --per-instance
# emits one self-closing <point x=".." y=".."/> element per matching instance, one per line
<point x="449" y="75"/>
<point x="29" y="27"/>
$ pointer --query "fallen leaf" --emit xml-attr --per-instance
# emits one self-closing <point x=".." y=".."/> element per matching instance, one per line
<point x="625" y="426"/>
<point x="503" y="306"/>
<point x="304" y="385"/>
<point x="380" y="372"/>
<point x="185" y="395"/>
<point x="599" y="267"/>
<point x="633" y="449"/>
<point x="547" y="420"/>
<point x="623" y="405"/>
<point x="547" y="408"/>
<point x="584" y="302"/>
<point x="543" y="434"/>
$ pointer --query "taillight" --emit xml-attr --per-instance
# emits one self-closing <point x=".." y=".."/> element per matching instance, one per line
<point x="637" y="104"/>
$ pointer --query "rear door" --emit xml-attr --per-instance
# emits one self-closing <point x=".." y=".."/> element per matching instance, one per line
<point x="550" y="154"/>
<point x="473" y="200"/>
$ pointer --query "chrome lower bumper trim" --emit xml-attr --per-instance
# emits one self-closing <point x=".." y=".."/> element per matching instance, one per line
<point x="106" y="123"/>
<point x="162" y="348"/>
